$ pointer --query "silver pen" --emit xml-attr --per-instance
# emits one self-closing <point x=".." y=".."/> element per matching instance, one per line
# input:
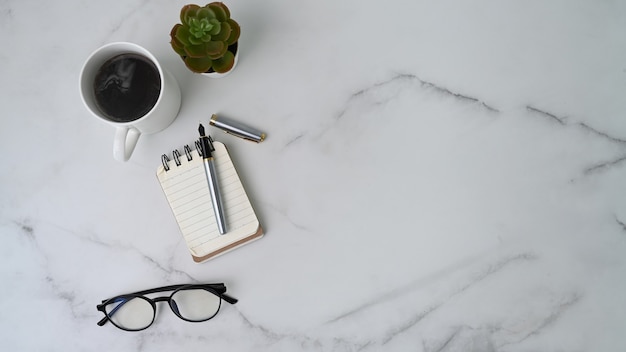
<point x="209" y="168"/>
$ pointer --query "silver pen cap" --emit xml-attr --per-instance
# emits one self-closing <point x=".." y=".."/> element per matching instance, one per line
<point x="237" y="129"/>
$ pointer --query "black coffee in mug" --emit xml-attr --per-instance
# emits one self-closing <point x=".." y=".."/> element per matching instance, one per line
<point x="126" y="87"/>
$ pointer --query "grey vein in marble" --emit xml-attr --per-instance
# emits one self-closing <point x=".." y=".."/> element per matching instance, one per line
<point x="26" y="228"/>
<point x="559" y="120"/>
<point x="6" y="13"/>
<point x="465" y="338"/>
<point x="604" y="166"/>
<point x="462" y="335"/>
<point x="490" y="270"/>
<point x="125" y="19"/>
<point x="294" y="139"/>
<point x="400" y="77"/>
<point x="443" y="345"/>
<point x="497" y="337"/>
<point x="602" y="134"/>
<point x="284" y="214"/>
<point x="67" y="296"/>
<point x="583" y="125"/>
<point x="599" y="167"/>
<point x="423" y="83"/>
<point x="621" y="223"/>
<point x="302" y="340"/>
<point x="462" y="97"/>
<point x="29" y="231"/>
<point x="558" y="310"/>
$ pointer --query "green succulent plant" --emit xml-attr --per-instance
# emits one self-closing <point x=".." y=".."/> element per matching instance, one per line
<point x="206" y="38"/>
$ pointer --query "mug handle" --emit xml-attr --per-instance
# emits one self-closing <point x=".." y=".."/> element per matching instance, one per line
<point x="124" y="143"/>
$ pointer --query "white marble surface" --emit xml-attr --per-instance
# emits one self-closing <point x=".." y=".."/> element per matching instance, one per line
<point x="438" y="176"/>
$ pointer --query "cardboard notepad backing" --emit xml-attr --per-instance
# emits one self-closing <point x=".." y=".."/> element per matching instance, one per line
<point x="186" y="188"/>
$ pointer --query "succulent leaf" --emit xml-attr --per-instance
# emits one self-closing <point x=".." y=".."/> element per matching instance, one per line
<point x="182" y="34"/>
<point x="178" y="47"/>
<point x="235" y="32"/>
<point x="224" y="32"/>
<point x="218" y="54"/>
<point x="205" y="12"/>
<point x="219" y="11"/>
<point x="174" y="31"/>
<point x="216" y="26"/>
<point x="222" y="6"/>
<point x="199" y="65"/>
<point x="195" y="41"/>
<point x="179" y="50"/>
<point x="196" y="51"/>
<point x="225" y="63"/>
<point x="188" y="12"/>
<point x="213" y="49"/>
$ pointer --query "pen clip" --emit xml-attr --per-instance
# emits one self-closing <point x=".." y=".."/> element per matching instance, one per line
<point x="211" y="143"/>
<point x="201" y="143"/>
<point x="242" y="136"/>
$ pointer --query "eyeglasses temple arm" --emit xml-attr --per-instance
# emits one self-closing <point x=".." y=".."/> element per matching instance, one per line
<point x="103" y="321"/>
<point x="100" y="308"/>
<point x="219" y="287"/>
<point x="229" y="299"/>
<point x="158" y="289"/>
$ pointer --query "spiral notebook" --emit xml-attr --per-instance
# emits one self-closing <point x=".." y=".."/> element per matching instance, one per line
<point x="185" y="185"/>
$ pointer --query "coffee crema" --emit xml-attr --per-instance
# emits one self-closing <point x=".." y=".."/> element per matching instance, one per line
<point x="126" y="87"/>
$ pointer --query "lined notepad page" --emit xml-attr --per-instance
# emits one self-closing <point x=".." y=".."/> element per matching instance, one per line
<point x="186" y="189"/>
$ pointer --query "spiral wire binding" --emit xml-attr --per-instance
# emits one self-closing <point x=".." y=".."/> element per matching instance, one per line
<point x="188" y="152"/>
<point x="176" y="155"/>
<point x="165" y="160"/>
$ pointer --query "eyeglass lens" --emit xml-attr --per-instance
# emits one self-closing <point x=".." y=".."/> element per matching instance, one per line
<point x="195" y="304"/>
<point x="130" y="313"/>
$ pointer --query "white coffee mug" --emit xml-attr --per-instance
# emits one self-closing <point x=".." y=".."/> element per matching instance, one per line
<point x="161" y="115"/>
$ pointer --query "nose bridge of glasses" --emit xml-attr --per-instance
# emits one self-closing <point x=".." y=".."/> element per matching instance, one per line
<point x="170" y="301"/>
<point x="161" y="299"/>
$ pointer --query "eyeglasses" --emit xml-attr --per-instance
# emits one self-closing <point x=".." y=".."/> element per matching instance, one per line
<point x="135" y="312"/>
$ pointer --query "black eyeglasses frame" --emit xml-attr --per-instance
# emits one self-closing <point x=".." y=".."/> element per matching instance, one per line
<point x="218" y="289"/>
